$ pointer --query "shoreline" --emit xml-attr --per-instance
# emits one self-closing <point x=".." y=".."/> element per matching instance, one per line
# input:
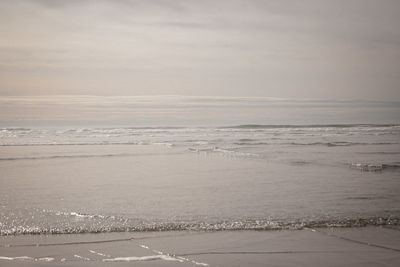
<point x="361" y="246"/>
<point x="236" y="225"/>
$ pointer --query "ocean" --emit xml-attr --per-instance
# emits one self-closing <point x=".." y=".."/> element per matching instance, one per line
<point x="246" y="177"/>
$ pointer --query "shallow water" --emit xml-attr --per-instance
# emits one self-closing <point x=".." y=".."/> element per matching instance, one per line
<point x="247" y="177"/>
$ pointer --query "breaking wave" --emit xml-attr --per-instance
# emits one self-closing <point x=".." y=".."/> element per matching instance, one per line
<point x="105" y="224"/>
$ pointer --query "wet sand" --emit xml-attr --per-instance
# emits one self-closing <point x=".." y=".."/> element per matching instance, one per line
<point x="366" y="246"/>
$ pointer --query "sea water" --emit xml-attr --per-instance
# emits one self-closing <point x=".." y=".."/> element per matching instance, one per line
<point x="77" y="180"/>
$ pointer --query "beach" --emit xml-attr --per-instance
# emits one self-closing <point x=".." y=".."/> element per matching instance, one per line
<point x="363" y="246"/>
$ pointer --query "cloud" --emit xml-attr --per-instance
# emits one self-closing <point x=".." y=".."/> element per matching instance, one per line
<point x="322" y="49"/>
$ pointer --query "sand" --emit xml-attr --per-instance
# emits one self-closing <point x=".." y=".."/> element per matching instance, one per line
<point x="367" y="246"/>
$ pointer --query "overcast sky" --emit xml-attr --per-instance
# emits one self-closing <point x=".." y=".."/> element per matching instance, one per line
<point x="307" y="51"/>
<point x="313" y="49"/>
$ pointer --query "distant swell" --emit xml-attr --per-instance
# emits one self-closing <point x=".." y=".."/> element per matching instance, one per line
<point x="76" y="144"/>
<point x="262" y="126"/>
<point x="380" y="153"/>
<point x="72" y="156"/>
<point x="334" y="144"/>
<point x="250" y="142"/>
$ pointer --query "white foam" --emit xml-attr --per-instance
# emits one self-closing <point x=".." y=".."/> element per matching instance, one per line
<point x="78" y="214"/>
<point x="169" y="145"/>
<point x="73" y="213"/>
<point x="178" y="258"/>
<point x="200" y="263"/>
<point x="367" y="167"/>
<point x="81" y="257"/>
<point x="23" y="258"/>
<point x="201" y="143"/>
<point x="193" y="149"/>
<point x="160" y="256"/>
<point x="144" y="258"/>
<point x="6" y="258"/>
<point x="234" y="153"/>
<point x="158" y="252"/>
<point x="46" y="259"/>
<point x="99" y="253"/>
<point x="193" y="261"/>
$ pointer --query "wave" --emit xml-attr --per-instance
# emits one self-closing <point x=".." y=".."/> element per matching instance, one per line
<point x="223" y="151"/>
<point x="381" y="153"/>
<point x="299" y="163"/>
<point x="200" y="143"/>
<point x="328" y="144"/>
<point x="77" y="144"/>
<point x="73" y="156"/>
<point x="233" y="152"/>
<point x="79" y="215"/>
<point x="96" y="128"/>
<point x="162" y="129"/>
<point x="374" y="167"/>
<point x="253" y="143"/>
<point x="237" y="225"/>
<point x="105" y="143"/>
<point x="339" y="143"/>
<point x="16" y="129"/>
<point x="268" y="126"/>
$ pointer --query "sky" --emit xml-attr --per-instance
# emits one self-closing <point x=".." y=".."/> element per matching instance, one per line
<point x="311" y="50"/>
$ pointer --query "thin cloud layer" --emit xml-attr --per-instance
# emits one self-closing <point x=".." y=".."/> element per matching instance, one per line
<point x="291" y="49"/>
<point x="188" y="111"/>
